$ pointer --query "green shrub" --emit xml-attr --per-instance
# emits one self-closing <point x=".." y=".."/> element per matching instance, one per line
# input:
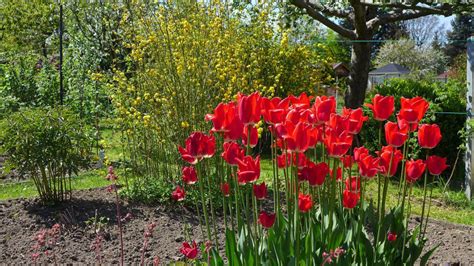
<point x="48" y="145"/>
<point x="447" y="105"/>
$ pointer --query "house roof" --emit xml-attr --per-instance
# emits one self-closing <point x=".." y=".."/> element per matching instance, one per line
<point x="390" y="69"/>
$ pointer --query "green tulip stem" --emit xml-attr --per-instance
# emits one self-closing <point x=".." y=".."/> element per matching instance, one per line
<point x="424" y="195"/>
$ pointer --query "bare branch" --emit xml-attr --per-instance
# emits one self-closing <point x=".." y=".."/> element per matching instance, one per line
<point x="331" y="11"/>
<point x="312" y="11"/>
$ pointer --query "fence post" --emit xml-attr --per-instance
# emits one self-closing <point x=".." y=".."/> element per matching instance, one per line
<point x="469" y="158"/>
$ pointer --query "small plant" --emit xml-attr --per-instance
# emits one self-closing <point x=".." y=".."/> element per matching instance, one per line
<point x="112" y="177"/>
<point x="45" y="242"/>
<point x="146" y="238"/>
<point x="48" y="145"/>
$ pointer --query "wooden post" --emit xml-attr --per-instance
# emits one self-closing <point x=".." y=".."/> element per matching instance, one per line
<point x="469" y="158"/>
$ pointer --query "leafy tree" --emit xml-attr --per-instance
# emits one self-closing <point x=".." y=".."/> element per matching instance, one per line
<point x="27" y="25"/>
<point x="463" y="27"/>
<point x="367" y="18"/>
<point x="420" y="60"/>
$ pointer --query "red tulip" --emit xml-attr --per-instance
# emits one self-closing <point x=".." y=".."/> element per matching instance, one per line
<point x="233" y="131"/>
<point x="395" y="135"/>
<point x="249" y="170"/>
<point x="382" y="107"/>
<point x="302" y="101"/>
<point x="315" y="174"/>
<point x="283" y="160"/>
<point x="413" y="110"/>
<point x="304" y="202"/>
<point x="338" y="174"/>
<point x="414" y="170"/>
<point x="360" y="153"/>
<point x="350" y="199"/>
<point x="178" y="194"/>
<point x="355" y="119"/>
<point x="353" y="184"/>
<point x="249" y="108"/>
<point x="322" y="108"/>
<point x="198" y="146"/>
<point x="253" y="136"/>
<point x="225" y="189"/>
<point x="347" y="161"/>
<point x="190" y="251"/>
<point x="337" y="144"/>
<point x="385" y="155"/>
<point x="368" y="166"/>
<point x="260" y="191"/>
<point x="391" y="236"/>
<point x="436" y="165"/>
<point x="299" y="139"/>
<point x="274" y="110"/>
<point x="266" y="219"/>
<point x="429" y="136"/>
<point x="189" y="175"/>
<point x="222" y="117"/>
<point x="232" y="153"/>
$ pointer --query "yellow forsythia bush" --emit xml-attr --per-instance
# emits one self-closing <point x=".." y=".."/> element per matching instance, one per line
<point x="185" y="58"/>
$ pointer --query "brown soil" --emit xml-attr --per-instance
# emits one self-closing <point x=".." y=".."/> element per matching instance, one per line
<point x="20" y="220"/>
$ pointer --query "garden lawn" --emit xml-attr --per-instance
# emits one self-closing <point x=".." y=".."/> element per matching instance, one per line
<point x="26" y="189"/>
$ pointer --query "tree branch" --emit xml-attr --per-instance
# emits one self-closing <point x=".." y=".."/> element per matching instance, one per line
<point x="313" y="11"/>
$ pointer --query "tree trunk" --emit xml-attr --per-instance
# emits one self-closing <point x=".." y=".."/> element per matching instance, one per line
<point x="359" y="74"/>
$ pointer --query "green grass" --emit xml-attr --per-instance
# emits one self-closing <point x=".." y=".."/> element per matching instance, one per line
<point x="27" y="189"/>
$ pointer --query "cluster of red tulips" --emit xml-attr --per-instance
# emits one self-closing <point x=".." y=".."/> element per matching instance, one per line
<point x="316" y="165"/>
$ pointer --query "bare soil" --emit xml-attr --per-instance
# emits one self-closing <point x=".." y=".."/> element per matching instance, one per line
<point x="21" y="219"/>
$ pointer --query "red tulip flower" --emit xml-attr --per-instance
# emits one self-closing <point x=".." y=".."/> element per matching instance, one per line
<point x="382" y="107"/>
<point x="385" y="156"/>
<point x="413" y="110"/>
<point x="299" y="139"/>
<point x="414" y="170"/>
<point x="232" y="153"/>
<point x="222" y="116"/>
<point x="302" y="101"/>
<point x="368" y="166"/>
<point x="337" y="175"/>
<point x="350" y="199"/>
<point x="353" y="184"/>
<point x="178" y="194"/>
<point x="360" y="153"/>
<point x="266" y="219"/>
<point x="304" y="202"/>
<point x="322" y="109"/>
<point x="189" y="175"/>
<point x="260" y="191"/>
<point x="395" y="135"/>
<point x="249" y="108"/>
<point x="225" y="189"/>
<point x="355" y="119"/>
<point x="429" y="136"/>
<point x="253" y="136"/>
<point x="233" y="131"/>
<point x="190" y="251"/>
<point x="249" y="170"/>
<point x="274" y="110"/>
<point x="337" y="144"/>
<point x="315" y="174"/>
<point x="347" y="161"/>
<point x="436" y="165"/>
<point x="391" y="236"/>
<point x="198" y="146"/>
